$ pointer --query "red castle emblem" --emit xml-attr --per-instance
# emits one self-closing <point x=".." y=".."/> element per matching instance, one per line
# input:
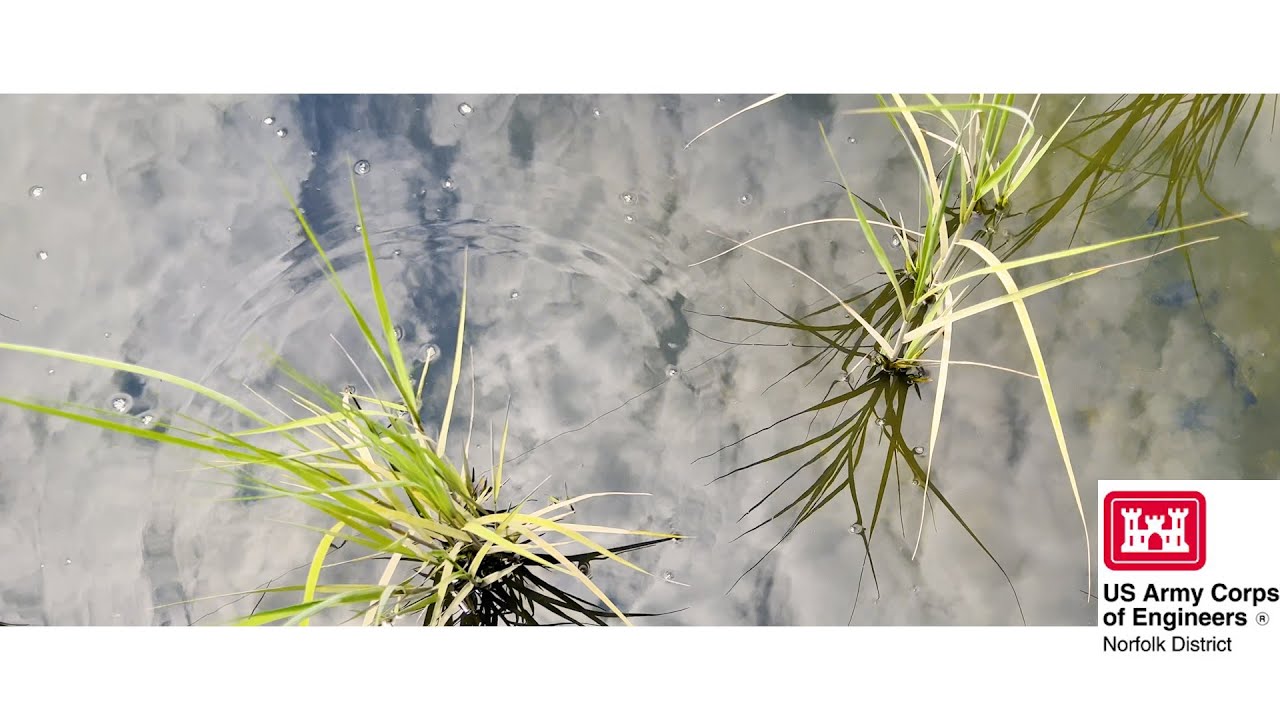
<point x="1145" y="530"/>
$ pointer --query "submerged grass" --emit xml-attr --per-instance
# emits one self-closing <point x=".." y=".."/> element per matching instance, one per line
<point x="971" y="157"/>
<point x="453" y="546"/>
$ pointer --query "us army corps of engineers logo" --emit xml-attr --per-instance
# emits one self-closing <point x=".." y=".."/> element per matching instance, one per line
<point x="1145" y="530"/>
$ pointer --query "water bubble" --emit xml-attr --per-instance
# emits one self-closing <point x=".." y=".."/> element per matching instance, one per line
<point x="918" y="450"/>
<point x="121" y="403"/>
<point x="359" y="228"/>
<point x="628" y="198"/>
<point x="672" y="372"/>
<point x="853" y="140"/>
<point x="879" y="422"/>
<point x="744" y="199"/>
<point x="915" y="588"/>
<point x="106" y="334"/>
<point x="515" y="294"/>
<point x="464" y="109"/>
<point x="42" y="255"/>
<point x="50" y="371"/>
<point x="431" y="352"/>
<point x="855" y="529"/>
<point x="595" y="112"/>
<point x="628" y="219"/>
<point x="915" y="481"/>
<point x="719" y="100"/>
<point x="396" y="252"/>
<point x="282" y="132"/>
<point x="68" y="561"/>
<point x="584" y="567"/>
<point x="399" y="331"/>
<point x="668" y="575"/>
<point x="147" y="420"/>
<point x="447" y="184"/>
<point x="362" y="167"/>
<point x="35" y="191"/>
<point x="268" y="120"/>
<point x="84" y="177"/>
<point x="895" y="242"/>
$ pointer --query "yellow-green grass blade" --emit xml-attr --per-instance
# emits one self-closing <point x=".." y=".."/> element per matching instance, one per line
<point x="1017" y="297"/>
<point x="317" y="563"/>
<point x="457" y="362"/>
<point x="749" y="108"/>
<point x="108" y="364"/>
<point x="502" y="454"/>
<point x="572" y="569"/>
<point x="578" y="537"/>
<point x="370" y="339"/>
<point x="295" y="614"/>
<point x="505" y="545"/>
<point x="872" y="241"/>
<point x="936" y="423"/>
<point x="931" y="178"/>
<point x="1074" y="252"/>
<point x="1037" y="357"/>
<point x="126" y="429"/>
<point x="1034" y="158"/>
<point x="401" y="378"/>
<point x="325" y="419"/>
<point x="903" y="109"/>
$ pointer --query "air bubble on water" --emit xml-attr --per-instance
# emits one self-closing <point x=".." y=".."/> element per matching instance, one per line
<point x="106" y="334"/>
<point x="628" y="219"/>
<point x="895" y="242"/>
<point x="584" y="567"/>
<point x="282" y="132"/>
<point x="50" y="371"/>
<point x="853" y="140"/>
<point x="121" y="403"/>
<point x="431" y="352"/>
<point x="915" y="481"/>
<point x="515" y="294"/>
<point x="447" y="184"/>
<point x="744" y="199"/>
<point x="595" y="112"/>
<point x="147" y="420"/>
<point x="719" y="100"/>
<point x="628" y="198"/>
<point x="396" y="252"/>
<point x="362" y="167"/>
<point x="84" y="177"/>
<point x="855" y="529"/>
<point x="915" y="588"/>
<point x="35" y="191"/>
<point x="399" y="331"/>
<point x="668" y="575"/>
<point x="68" y="561"/>
<point x="672" y="372"/>
<point x="268" y="120"/>
<point x="42" y="255"/>
<point x="359" y="228"/>
<point x="879" y="422"/>
<point x="464" y="109"/>
<point x="919" y="450"/>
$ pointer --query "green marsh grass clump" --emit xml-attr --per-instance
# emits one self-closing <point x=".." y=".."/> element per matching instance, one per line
<point x="971" y="157"/>
<point x="445" y="542"/>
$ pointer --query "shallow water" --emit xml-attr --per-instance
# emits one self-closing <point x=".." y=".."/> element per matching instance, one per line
<point x="161" y="237"/>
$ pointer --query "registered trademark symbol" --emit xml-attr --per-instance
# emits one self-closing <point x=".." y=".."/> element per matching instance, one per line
<point x="1263" y="618"/>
